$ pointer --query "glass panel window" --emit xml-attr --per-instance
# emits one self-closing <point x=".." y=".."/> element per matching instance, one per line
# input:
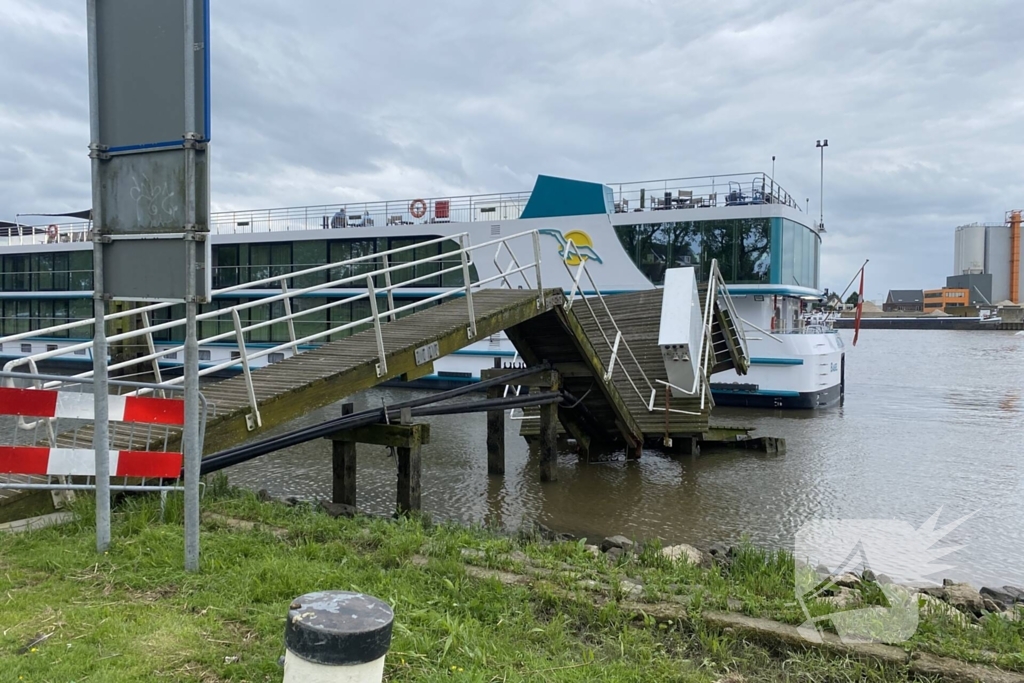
<point x="306" y="325"/>
<point x="309" y="253"/>
<point x="80" y="271"/>
<point x="226" y="266"/>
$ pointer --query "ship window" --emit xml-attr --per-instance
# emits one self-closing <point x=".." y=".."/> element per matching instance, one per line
<point x="344" y="250"/>
<point x="309" y="253"/>
<point x="80" y="271"/>
<point x="226" y="266"/>
<point x="742" y="248"/>
<point x="16" y="273"/>
<point x="799" y="255"/>
<point x="269" y="260"/>
<point x="312" y="323"/>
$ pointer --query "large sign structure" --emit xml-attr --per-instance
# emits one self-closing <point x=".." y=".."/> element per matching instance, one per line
<point x="149" y="102"/>
<point x="152" y="111"/>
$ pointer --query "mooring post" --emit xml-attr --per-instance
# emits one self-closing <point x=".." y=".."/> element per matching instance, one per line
<point x="343" y="467"/>
<point x="409" y="469"/>
<point x="496" y="430"/>
<point x="337" y="637"/>
<point x="549" y="437"/>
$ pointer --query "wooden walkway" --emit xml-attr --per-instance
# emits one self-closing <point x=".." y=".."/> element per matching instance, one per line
<point x="322" y="376"/>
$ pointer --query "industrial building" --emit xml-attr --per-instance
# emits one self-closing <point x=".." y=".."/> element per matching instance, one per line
<point x="992" y="250"/>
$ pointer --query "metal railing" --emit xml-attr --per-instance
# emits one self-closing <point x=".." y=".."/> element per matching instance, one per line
<point x="572" y="253"/>
<point x="383" y="267"/>
<point x="737" y="189"/>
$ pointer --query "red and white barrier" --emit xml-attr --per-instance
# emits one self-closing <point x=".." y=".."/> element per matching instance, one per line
<point x="81" y="462"/>
<point x="79" y="406"/>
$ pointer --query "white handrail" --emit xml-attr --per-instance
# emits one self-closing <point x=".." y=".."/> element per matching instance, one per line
<point x="461" y="257"/>
<point x="570" y="251"/>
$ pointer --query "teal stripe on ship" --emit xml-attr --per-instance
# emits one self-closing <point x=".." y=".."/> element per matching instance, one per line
<point x="776" y="361"/>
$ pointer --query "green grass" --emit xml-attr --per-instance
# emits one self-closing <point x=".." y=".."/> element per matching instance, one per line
<point x="133" y="614"/>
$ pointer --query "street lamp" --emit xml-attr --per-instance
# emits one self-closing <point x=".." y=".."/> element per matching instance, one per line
<point x="822" y="144"/>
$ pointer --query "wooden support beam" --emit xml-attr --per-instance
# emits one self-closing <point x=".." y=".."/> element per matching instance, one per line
<point x="418" y="372"/>
<point x="495" y="435"/>
<point x="343" y="467"/>
<point x="542" y="378"/>
<point x="398" y="436"/>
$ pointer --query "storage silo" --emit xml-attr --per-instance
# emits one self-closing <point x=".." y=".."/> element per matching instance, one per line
<point x="997" y="261"/>
<point x="969" y="250"/>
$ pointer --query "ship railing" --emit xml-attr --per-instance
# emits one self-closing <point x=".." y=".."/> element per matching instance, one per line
<point x="374" y="274"/>
<point x="718" y="291"/>
<point x="404" y="212"/>
<point x="737" y="189"/>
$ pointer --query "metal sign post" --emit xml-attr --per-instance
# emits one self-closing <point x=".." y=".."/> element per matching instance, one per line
<point x="150" y="127"/>
<point x="190" y="438"/>
<point x="101" y="434"/>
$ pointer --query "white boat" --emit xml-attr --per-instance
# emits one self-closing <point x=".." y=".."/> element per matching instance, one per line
<point x="767" y="248"/>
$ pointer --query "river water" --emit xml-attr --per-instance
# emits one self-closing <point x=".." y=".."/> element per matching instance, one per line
<point x="932" y="419"/>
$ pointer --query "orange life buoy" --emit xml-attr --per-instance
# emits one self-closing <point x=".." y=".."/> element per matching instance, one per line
<point x="418" y="208"/>
<point x="52" y="232"/>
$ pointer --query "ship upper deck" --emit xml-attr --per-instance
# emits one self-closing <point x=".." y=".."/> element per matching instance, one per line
<point x="742" y="189"/>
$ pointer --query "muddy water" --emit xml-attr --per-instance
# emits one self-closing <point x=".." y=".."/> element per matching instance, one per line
<point x="932" y="419"/>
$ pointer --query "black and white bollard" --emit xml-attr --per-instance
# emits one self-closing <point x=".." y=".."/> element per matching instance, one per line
<point x="337" y="637"/>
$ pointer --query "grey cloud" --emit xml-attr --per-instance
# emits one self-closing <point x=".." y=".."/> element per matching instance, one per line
<point x="318" y="102"/>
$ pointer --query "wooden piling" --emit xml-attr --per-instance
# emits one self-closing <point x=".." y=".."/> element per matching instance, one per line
<point x="406" y="439"/>
<point x="343" y="467"/>
<point x="495" y="435"/>
<point x="549" y="442"/>
<point x="409" y="471"/>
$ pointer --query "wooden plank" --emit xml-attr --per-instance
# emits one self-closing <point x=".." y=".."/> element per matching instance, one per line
<point x="386" y="435"/>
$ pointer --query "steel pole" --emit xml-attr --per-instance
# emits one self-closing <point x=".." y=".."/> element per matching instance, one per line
<point x="821" y="191"/>
<point x="190" y="435"/>
<point x="101" y="432"/>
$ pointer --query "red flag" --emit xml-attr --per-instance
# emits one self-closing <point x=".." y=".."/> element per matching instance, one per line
<point x="860" y="308"/>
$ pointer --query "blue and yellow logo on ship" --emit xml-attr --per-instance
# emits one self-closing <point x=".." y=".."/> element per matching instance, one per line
<point x="581" y="249"/>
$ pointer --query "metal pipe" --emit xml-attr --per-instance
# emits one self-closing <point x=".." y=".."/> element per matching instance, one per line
<point x="242" y="454"/>
<point x="191" y="448"/>
<point x="317" y="431"/>
<point x="101" y="432"/>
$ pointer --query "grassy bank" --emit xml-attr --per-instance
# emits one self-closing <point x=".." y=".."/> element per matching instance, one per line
<point x="134" y="615"/>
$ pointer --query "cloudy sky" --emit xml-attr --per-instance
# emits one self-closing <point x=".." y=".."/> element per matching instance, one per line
<point x="319" y="101"/>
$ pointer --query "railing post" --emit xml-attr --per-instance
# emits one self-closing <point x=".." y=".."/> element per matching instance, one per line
<point x="288" y="315"/>
<point x="254" y="420"/>
<point x="615" y="353"/>
<point x="467" y="281"/>
<point x="382" y="366"/>
<point x="151" y="347"/>
<point x="536" y="268"/>
<point x="387" y="285"/>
